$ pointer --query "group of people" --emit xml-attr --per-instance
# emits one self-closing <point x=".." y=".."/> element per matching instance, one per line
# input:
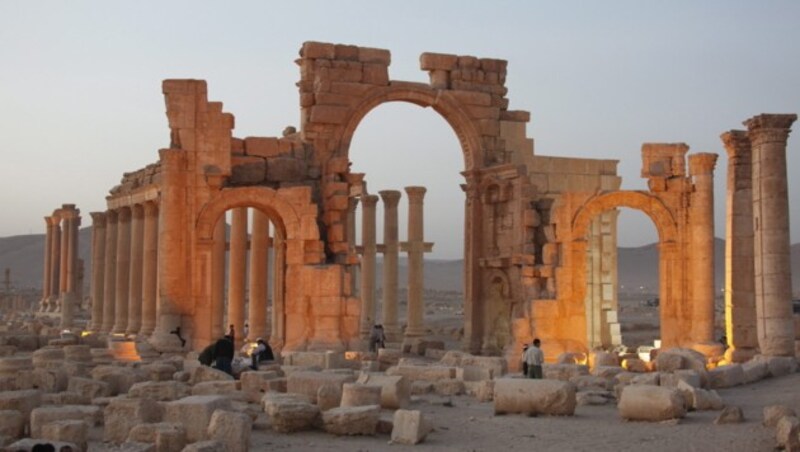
<point x="221" y="352"/>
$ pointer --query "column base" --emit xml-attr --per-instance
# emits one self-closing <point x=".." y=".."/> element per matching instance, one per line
<point x="393" y="333"/>
<point x="708" y="349"/>
<point x="739" y="355"/>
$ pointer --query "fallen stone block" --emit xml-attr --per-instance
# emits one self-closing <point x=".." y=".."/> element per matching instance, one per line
<point x="726" y="376"/>
<point x="755" y="371"/>
<point x="68" y="431"/>
<point x="448" y="387"/>
<point x="89" y="387"/>
<point x="194" y="413"/>
<point x="65" y="398"/>
<point x="79" y="353"/>
<point x="12" y="424"/>
<point x="474" y="373"/>
<point x="257" y="381"/>
<point x="356" y="394"/>
<point x="786" y="433"/>
<point x="205" y="446"/>
<point x="774" y="413"/>
<point x="119" y="379"/>
<point x="564" y="372"/>
<point x="204" y="373"/>
<point x="44" y="415"/>
<point x="162" y="391"/>
<point x="48" y="380"/>
<point x="452" y="358"/>
<point x="329" y="396"/>
<point x="532" y="397"/>
<point x="730" y="415"/>
<point x="419" y="346"/>
<point x="421" y="387"/>
<point x="290" y="412"/>
<point x="496" y="364"/>
<point x="423" y="373"/>
<point x="231" y="429"/>
<point x="650" y="378"/>
<point x="307" y="383"/>
<point x="635" y="365"/>
<point x="351" y="420"/>
<point x="167" y="437"/>
<point x="606" y="371"/>
<point x="409" y="427"/>
<point x="688" y="376"/>
<point x="604" y="359"/>
<point x="121" y="415"/>
<point x="228" y="388"/>
<point x="778" y="365"/>
<point x="593" y="397"/>
<point x="158" y="371"/>
<point x="395" y="390"/>
<point x="651" y="403"/>
<point x="588" y="382"/>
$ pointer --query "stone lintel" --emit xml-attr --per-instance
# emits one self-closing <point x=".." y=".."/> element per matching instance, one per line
<point x="427" y="247"/>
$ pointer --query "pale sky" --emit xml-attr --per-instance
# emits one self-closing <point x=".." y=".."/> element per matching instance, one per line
<point x="81" y="102"/>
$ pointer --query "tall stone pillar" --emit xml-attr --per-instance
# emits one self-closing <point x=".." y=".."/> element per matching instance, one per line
<point x="110" y="273"/>
<point x="416" y="248"/>
<point x="278" y="337"/>
<point x="149" y="268"/>
<point x="98" y="267"/>
<point x="64" y="266"/>
<point x="48" y="263"/>
<point x="773" y="277"/>
<point x="259" y="243"/>
<point x="172" y="276"/>
<point x="218" y="279"/>
<point x="368" y="251"/>
<point x="55" y="263"/>
<point x="740" y="304"/>
<point x="391" y="249"/>
<point x="70" y="296"/>
<point x="351" y="241"/>
<point x="123" y="270"/>
<point x="701" y="214"/>
<point x="237" y="264"/>
<point x="136" y="269"/>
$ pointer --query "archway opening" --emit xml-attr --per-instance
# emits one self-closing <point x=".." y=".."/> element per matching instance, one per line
<point x="400" y="145"/>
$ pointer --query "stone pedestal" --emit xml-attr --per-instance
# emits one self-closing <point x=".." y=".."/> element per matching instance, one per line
<point x="391" y="250"/>
<point x="368" y="251"/>
<point x="701" y="212"/>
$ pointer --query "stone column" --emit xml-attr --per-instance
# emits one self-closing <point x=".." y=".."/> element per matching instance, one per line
<point x="70" y="296"/>
<point x="122" y="285"/>
<point x="218" y="279"/>
<point x="136" y="269"/>
<point x="64" y="255"/>
<point x="98" y="267"/>
<point x="149" y="268"/>
<point x="740" y="304"/>
<point x="391" y="249"/>
<point x="368" y="251"/>
<point x="257" y="308"/>
<point x="351" y="241"/>
<point x="55" y="263"/>
<point x="237" y="264"/>
<point x="773" y="276"/>
<point x="172" y="276"/>
<point x="416" y="248"/>
<point x="110" y="273"/>
<point x="48" y="263"/>
<point x="701" y="225"/>
<point x="278" y="289"/>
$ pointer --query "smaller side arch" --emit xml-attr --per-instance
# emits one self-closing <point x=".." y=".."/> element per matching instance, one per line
<point x="651" y="205"/>
<point x="264" y="199"/>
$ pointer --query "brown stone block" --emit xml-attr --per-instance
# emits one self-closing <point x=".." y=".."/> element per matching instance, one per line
<point x="335" y="188"/>
<point x="237" y="146"/>
<point x="471" y="97"/>
<point x="316" y="50"/>
<point x="339" y="247"/>
<point x="335" y="99"/>
<point x="326" y="306"/>
<point x="345" y="52"/>
<point x="494" y="65"/>
<point x="184" y="86"/>
<point x="350" y="89"/>
<point x="338" y="165"/>
<point x="247" y="170"/>
<point x="432" y="61"/>
<point x="329" y="114"/>
<point x="376" y="74"/>
<point x="306" y="99"/>
<point x="499" y="101"/>
<point x="469" y="62"/>
<point x="489" y="127"/>
<point x="478" y="112"/>
<point x="352" y="75"/>
<point x="515" y="116"/>
<point x="285" y="169"/>
<point x="372" y="55"/>
<point x="261" y="146"/>
<point x="336" y="233"/>
<point x="337" y="202"/>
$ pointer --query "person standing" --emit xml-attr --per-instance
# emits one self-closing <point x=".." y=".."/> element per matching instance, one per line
<point x="377" y="338"/>
<point x="534" y="357"/>
<point x="232" y="333"/>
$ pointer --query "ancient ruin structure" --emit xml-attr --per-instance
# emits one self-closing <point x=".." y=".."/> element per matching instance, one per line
<point x="539" y="235"/>
<point x="62" y="285"/>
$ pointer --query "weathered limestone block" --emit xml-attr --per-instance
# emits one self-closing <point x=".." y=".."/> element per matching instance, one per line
<point x="474" y="373"/>
<point x="93" y="415"/>
<point x="68" y="431"/>
<point x="730" y="415"/>
<point x="352" y="420"/>
<point x="167" y="437"/>
<point x="12" y="424"/>
<point x="674" y="359"/>
<point x="119" y="379"/>
<point x="47" y="357"/>
<point x="228" y="388"/>
<point x="395" y="390"/>
<point x="419" y="345"/>
<point x="484" y="391"/>
<point x="755" y="370"/>
<point x="774" y="413"/>
<point x="605" y="359"/>
<point x="388" y="357"/>
<point x="650" y="378"/>
<point x="594" y="397"/>
<point x="699" y="399"/>
<point x="290" y="412"/>
<point x="563" y="372"/>
<point x="48" y="380"/>
<point x="231" y="429"/>
<point x="606" y="371"/>
<point x="194" y="413"/>
<point x="421" y="387"/>
<point x="329" y="396"/>
<point x="449" y="387"/>
<point x="650" y="403"/>
<point x="409" y="427"/>
<point x="356" y="394"/>
<point x="79" y="353"/>
<point x="10" y="366"/>
<point x="27" y="445"/>
<point x="588" y="382"/>
<point x="247" y="170"/>
<point x="7" y="350"/>
<point x="534" y="397"/>
<point x="786" y="433"/>
<point x="496" y="364"/>
<point x="65" y="398"/>
<point x="205" y="373"/>
<point x="8" y="384"/>
<point x="452" y="358"/>
<point x="425" y="373"/>
<point x="285" y="169"/>
<point x="634" y="365"/>
<point x="257" y="381"/>
<point x="160" y="390"/>
<point x="24" y="401"/>
<point x="121" y="415"/>
<point x="158" y="371"/>
<point x="307" y="383"/>
<point x="726" y="376"/>
<point x="89" y="387"/>
<point x="204" y="446"/>
<point x="778" y="365"/>
<point x="689" y="376"/>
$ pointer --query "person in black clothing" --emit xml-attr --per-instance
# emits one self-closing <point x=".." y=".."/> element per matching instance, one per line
<point x="223" y="353"/>
<point x="177" y="332"/>
<point x="262" y="352"/>
<point x="207" y="355"/>
<point x="232" y="333"/>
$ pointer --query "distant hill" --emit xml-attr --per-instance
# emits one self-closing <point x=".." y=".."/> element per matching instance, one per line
<point x="638" y="266"/>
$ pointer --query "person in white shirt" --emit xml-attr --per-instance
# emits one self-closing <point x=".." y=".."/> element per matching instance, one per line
<point x="534" y="358"/>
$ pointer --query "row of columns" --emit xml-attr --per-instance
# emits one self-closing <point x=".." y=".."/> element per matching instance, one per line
<point x="61" y="284"/>
<point x="758" y="297"/>
<point x="124" y="269"/>
<point x="391" y="247"/>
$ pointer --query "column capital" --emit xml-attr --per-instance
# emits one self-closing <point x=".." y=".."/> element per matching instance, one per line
<point x="137" y="211"/>
<point x="98" y="219"/>
<point x="737" y="143"/>
<point x="53" y="221"/>
<point x="415" y="193"/>
<point x="390" y="197"/>
<point x="150" y="208"/>
<point x="111" y="216"/>
<point x="768" y="128"/>
<point x="702" y="163"/>
<point x="369" y="200"/>
<point x="124" y="214"/>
